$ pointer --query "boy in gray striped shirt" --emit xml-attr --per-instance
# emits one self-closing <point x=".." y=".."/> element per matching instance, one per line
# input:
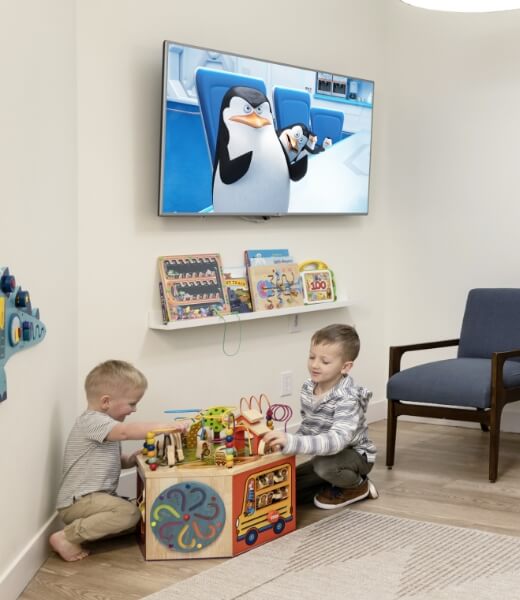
<point x="87" y="502"/>
<point x="333" y="428"/>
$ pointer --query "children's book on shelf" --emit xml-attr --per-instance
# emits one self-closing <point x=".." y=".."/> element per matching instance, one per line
<point x="267" y="256"/>
<point x="275" y="286"/>
<point x="318" y="282"/>
<point x="237" y="286"/>
<point x="317" y="286"/>
<point x="191" y="286"/>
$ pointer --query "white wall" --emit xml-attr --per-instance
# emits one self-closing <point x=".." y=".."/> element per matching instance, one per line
<point x="38" y="243"/>
<point x="452" y="175"/>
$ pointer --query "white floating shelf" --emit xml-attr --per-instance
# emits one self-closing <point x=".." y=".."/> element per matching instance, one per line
<point x="155" y="317"/>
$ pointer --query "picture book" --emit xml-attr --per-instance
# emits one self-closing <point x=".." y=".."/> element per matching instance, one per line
<point x="192" y="287"/>
<point x="237" y="286"/>
<point x="265" y="256"/>
<point x="318" y="286"/>
<point x="275" y="286"/>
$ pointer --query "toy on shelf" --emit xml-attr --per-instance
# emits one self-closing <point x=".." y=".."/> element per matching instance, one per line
<point x="209" y="492"/>
<point x="20" y="325"/>
<point x="317" y="281"/>
<point x="192" y="287"/>
<point x="275" y="286"/>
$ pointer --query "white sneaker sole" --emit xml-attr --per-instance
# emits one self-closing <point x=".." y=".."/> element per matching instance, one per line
<point x="319" y="504"/>
<point x="372" y="491"/>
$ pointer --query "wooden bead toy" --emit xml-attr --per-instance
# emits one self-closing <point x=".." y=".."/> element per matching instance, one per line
<point x="209" y="492"/>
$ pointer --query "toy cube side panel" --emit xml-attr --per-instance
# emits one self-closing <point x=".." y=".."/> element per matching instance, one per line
<point x="188" y="517"/>
<point x="264" y="503"/>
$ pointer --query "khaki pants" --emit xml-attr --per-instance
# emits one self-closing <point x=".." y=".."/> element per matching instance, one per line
<point x="98" y="515"/>
<point x="344" y="470"/>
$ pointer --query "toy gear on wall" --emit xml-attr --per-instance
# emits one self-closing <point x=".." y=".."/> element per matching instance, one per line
<point x="20" y="325"/>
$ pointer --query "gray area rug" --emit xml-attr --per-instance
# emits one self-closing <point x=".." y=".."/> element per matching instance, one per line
<point x="367" y="557"/>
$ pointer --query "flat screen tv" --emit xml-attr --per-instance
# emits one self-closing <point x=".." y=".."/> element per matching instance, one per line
<point x="245" y="136"/>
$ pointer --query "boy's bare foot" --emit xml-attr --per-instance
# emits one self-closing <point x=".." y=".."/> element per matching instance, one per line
<point x="67" y="550"/>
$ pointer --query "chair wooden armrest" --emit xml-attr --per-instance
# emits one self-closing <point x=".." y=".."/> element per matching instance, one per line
<point x="497" y="374"/>
<point x="396" y="352"/>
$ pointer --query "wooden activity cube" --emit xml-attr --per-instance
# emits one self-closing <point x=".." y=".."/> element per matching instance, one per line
<point x="199" y="511"/>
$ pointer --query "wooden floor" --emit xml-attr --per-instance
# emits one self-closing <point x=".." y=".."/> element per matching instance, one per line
<point x="440" y="475"/>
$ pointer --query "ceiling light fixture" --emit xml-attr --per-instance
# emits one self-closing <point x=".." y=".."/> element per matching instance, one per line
<point x="466" y="5"/>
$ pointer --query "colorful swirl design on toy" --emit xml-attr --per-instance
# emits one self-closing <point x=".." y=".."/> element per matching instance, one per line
<point x="187" y="516"/>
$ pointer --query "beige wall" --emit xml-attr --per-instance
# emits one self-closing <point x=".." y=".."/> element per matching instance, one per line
<point x="38" y="243"/>
<point x="442" y="219"/>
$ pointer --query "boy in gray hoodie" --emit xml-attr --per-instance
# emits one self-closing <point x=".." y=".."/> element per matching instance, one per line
<point x="333" y="428"/>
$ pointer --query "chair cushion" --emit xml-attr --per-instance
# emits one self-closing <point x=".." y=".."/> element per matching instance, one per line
<point x="452" y="382"/>
<point x="491" y="322"/>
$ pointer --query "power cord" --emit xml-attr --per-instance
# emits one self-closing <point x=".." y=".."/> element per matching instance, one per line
<point x="221" y="316"/>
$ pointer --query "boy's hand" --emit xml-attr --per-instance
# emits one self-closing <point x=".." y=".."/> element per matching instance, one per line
<point x="275" y="438"/>
<point x="183" y="425"/>
<point x="130" y="460"/>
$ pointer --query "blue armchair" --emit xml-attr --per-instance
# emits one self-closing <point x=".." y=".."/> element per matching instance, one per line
<point x="477" y="384"/>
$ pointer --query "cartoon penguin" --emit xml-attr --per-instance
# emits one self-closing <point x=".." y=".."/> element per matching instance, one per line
<point x="294" y="139"/>
<point x="312" y="145"/>
<point x="251" y="171"/>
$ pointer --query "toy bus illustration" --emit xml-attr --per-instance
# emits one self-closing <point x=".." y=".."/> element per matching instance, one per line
<point x="267" y="503"/>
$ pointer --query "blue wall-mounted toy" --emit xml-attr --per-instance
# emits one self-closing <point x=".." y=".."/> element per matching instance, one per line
<point x="20" y="325"/>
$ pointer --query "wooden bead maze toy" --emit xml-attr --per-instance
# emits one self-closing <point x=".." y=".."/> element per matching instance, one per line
<point x="210" y="492"/>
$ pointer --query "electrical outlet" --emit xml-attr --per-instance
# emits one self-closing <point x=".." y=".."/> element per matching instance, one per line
<point x="286" y="383"/>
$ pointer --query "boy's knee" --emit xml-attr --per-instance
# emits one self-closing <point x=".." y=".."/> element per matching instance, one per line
<point x="136" y="515"/>
<point x="129" y="514"/>
<point x="323" y="467"/>
<point x="341" y="476"/>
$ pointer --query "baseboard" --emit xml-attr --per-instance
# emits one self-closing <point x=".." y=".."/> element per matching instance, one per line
<point x="510" y="420"/>
<point x="127" y="484"/>
<point x="15" y="578"/>
<point x="376" y="411"/>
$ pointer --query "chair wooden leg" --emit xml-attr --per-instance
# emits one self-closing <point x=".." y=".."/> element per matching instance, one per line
<point x="494" y="442"/>
<point x="483" y="426"/>
<point x="391" y="431"/>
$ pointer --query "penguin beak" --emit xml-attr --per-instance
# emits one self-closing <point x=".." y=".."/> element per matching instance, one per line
<point x="253" y="120"/>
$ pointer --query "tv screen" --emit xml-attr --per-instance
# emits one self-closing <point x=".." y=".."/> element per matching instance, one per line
<point x="245" y="136"/>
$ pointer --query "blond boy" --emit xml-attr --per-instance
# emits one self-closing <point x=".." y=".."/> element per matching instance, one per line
<point x="87" y="502"/>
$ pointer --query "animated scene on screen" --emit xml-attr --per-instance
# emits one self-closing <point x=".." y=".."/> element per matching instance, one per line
<point x="244" y="136"/>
